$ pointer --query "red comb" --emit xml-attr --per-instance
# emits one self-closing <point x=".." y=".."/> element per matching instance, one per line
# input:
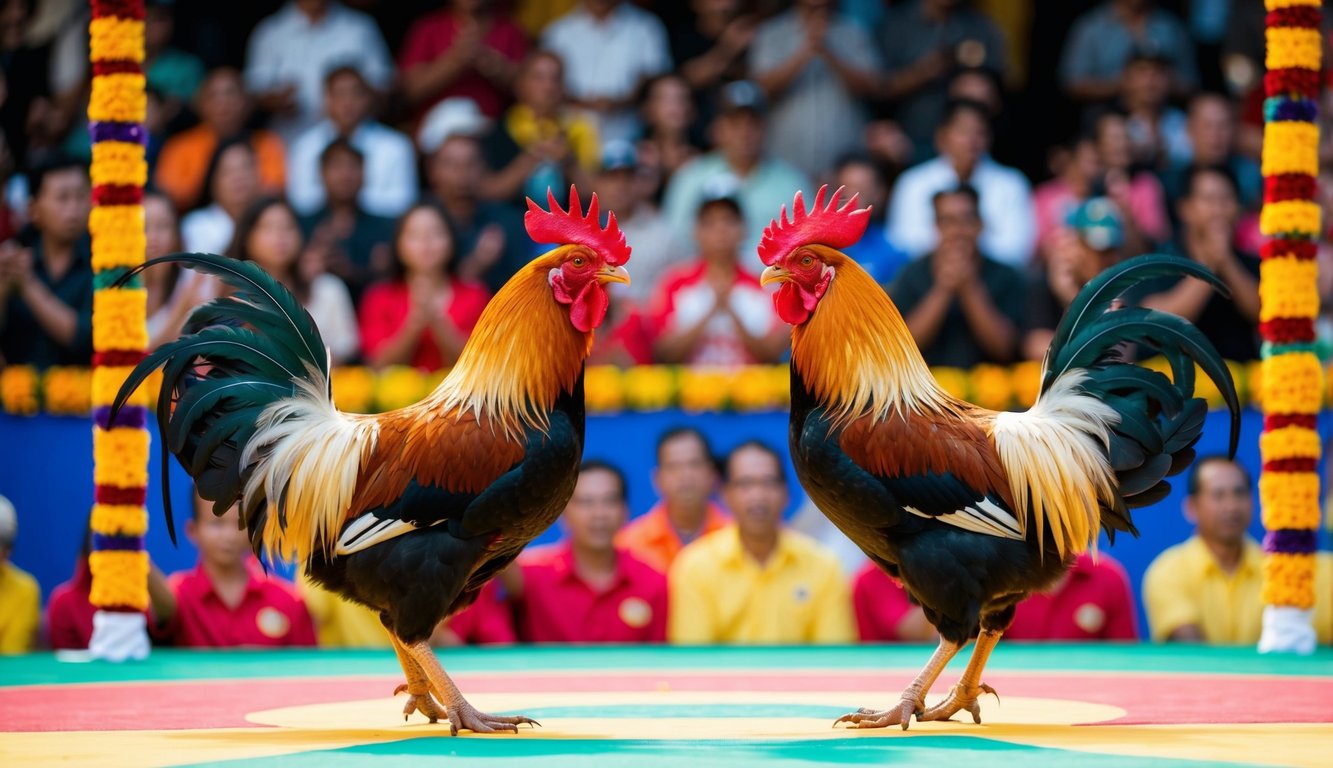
<point x="823" y="224"/>
<point x="574" y="228"/>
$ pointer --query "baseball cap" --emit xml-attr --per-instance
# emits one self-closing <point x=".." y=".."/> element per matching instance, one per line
<point x="1097" y="223"/>
<point x="451" y="117"/>
<point x="723" y="188"/>
<point x="9" y="522"/>
<point x="741" y="95"/>
<point x="619" y="155"/>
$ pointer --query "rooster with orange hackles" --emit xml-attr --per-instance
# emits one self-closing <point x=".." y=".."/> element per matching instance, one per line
<point x="971" y="509"/>
<point x="408" y="512"/>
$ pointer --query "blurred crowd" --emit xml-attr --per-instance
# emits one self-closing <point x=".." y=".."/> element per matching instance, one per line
<point x="374" y="157"/>
<point x="711" y="562"/>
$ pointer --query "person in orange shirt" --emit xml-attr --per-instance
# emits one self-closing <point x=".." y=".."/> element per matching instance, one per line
<point x="686" y="477"/>
<point x="223" y="110"/>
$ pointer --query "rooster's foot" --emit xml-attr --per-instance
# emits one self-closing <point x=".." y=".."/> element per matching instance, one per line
<point x="420" y="701"/>
<point x="869" y="718"/>
<point x="463" y="716"/>
<point x="959" y="698"/>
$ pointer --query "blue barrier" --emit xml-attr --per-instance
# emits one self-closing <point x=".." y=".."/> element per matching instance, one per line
<point x="46" y="470"/>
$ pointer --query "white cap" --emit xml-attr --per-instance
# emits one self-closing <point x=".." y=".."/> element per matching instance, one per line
<point x="9" y="522"/>
<point x="452" y="117"/>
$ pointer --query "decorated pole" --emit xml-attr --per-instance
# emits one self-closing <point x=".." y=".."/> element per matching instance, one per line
<point x="119" y="171"/>
<point x="1289" y="302"/>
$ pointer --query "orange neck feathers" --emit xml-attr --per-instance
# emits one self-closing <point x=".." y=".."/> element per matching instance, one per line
<point x="522" y="354"/>
<point x="855" y="353"/>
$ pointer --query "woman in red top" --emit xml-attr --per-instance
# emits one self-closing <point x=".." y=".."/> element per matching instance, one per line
<point x="424" y="313"/>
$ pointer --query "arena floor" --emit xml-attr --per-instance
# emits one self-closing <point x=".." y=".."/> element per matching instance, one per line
<point x="645" y="707"/>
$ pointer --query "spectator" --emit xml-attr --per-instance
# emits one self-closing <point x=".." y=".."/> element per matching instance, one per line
<point x="46" y="285"/>
<point x="714" y="312"/>
<point x="1091" y="241"/>
<point x="359" y="242"/>
<point x="814" y="66"/>
<point x="654" y="241"/>
<point x="171" y="72"/>
<point x="1211" y="128"/>
<point x="290" y="52"/>
<point x="20" y="597"/>
<point x="340" y="623"/>
<point x="686" y="477"/>
<point x="270" y="235"/>
<point x="423" y="315"/>
<point x="491" y="241"/>
<point x="713" y="50"/>
<point x="963" y="139"/>
<point x="1208" y="214"/>
<point x="609" y="48"/>
<point x="1101" y="41"/>
<point x="70" y="611"/>
<point x="1210" y="588"/>
<point x="27" y="82"/>
<point x="962" y="307"/>
<point x="1076" y="172"/>
<point x="487" y="621"/>
<point x="172" y="292"/>
<point x="232" y="184"/>
<point x="468" y="48"/>
<point x="182" y="167"/>
<point x="885" y="613"/>
<point x="228" y="599"/>
<point x="923" y="43"/>
<point x="668" y="141"/>
<point x="542" y="143"/>
<point x="389" y="159"/>
<point x="755" y="582"/>
<point x="589" y="590"/>
<point x="737" y="135"/>
<point x="862" y="176"/>
<point x="1157" y="134"/>
<point x="1092" y="601"/>
<point x="1135" y="190"/>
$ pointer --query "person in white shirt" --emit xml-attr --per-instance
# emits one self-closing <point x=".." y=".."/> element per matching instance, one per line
<point x="390" y="159"/>
<point x="619" y="189"/>
<point x="1009" y="222"/>
<point x="290" y="52"/>
<point x="609" y="49"/>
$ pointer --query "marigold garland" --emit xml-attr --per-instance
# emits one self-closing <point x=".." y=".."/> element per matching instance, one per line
<point x="118" y="318"/>
<point x="119" y="579"/>
<point x="120" y="457"/>
<point x="116" y="38"/>
<point x="18" y="390"/>
<point x="1292" y="386"/>
<point x="126" y="518"/>
<point x="118" y="97"/>
<point x="119" y="162"/>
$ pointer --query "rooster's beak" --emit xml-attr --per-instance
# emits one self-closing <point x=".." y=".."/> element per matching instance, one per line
<point x="613" y="275"/>
<point x="773" y="274"/>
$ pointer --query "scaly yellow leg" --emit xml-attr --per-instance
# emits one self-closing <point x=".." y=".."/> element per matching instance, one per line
<point x="914" y="698"/>
<point x="965" y="692"/>
<point x="460" y="713"/>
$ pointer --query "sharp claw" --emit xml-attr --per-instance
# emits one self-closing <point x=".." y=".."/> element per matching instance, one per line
<point x="401" y="688"/>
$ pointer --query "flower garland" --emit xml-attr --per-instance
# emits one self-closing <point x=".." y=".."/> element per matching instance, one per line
<point x="116" y="112"/>
<point x="1292" y="384"/>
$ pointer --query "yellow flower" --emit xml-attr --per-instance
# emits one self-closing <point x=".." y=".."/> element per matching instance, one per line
<point x="119" y="162"/>
<point x="1290" y="216"/>
<point x="1273" y="5"/>
<point x="951" y="380"/>
<point x="118" y="236"/>
<point x="118" y="319"/>
<point x="112" y="38"/>
<point x="18" y="390"/>
<point x="1289" y="443"/>
<point x="1287" y="288"/>
<point x="68" y="391"/>
<point x="1289" y="580"/>
<point x="121" y="519"/>
<point x="992" y="387"/>
<point x="1289" y="499"/>
<point x="704" y="389"/>
<point x="649" y="387"/>
<point x="1292" y="48"/>
<point x="779" y="382"/>
<point x="752" y="389"/>
<point x="1027" y="382"/>
<point x="398" y="387"/>
<point x="1293" y="383"/>
<point x="120" y="457"/>
<point x="119" y="579"/>
<point x="353" y="388"/>
<point x="603" y="389"/>
<point x="120" y="98"/>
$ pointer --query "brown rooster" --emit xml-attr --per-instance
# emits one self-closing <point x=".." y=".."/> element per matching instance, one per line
<point x="971" y="509"/>
<point x="408" y="512"/>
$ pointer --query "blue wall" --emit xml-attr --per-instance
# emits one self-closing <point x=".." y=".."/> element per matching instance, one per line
<point x="46" y="470"/>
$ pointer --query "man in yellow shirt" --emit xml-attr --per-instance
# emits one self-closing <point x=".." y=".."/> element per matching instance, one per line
<point x="20" y="598"/>
<point x="753" y="582"/>
<point x="1209" y="589"/>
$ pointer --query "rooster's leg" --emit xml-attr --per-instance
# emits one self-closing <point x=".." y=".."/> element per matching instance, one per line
<point x="417" y="686"/>
<point x="965" y="692"/>
<point x="460" y="713"/>
<point x="914" y="698"/>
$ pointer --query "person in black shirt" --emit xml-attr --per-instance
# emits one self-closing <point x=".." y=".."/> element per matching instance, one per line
<point x="46" y="288"/>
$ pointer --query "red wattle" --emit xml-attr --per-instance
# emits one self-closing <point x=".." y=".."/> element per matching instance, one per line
<point x="790" y="305"/>
<point x="589" y="307"/>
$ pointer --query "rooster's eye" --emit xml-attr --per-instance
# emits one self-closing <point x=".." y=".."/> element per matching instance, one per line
<point x="807" y="261"/>
<point x="578" y="261"/>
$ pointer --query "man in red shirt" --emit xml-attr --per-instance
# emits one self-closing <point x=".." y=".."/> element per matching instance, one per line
<point x="488" y="621"/>
<point x="467" y="49"/>
<point x="884" y="612"/>
<point x="588" y="591"/>
<point x="228" y="600"/>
